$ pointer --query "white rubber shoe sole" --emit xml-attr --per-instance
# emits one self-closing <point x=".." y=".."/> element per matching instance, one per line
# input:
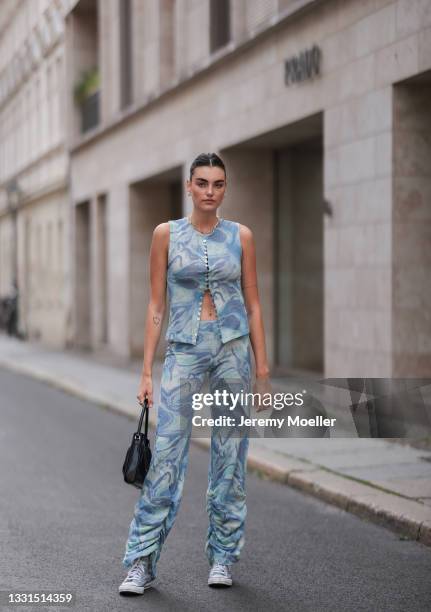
<point x="134" y="589"/>
<point x="218" y="581"/>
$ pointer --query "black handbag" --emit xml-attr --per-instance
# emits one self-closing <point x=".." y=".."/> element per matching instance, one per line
<point x="138" y="456"/>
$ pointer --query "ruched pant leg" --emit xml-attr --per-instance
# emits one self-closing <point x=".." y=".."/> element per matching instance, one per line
<point x="226" y="493"/>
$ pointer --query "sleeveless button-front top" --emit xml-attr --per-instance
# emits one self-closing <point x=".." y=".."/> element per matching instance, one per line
<point x="198" y="262"/>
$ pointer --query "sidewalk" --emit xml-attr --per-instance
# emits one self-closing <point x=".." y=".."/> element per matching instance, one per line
<point x="381" y="481"/>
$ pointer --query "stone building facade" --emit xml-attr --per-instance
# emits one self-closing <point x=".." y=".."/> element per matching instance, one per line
<point x="34" y="206"/>
<point x="320" y="112"/>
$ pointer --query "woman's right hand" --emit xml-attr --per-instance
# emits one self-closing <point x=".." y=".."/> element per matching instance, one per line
<point x="146" y="389"/>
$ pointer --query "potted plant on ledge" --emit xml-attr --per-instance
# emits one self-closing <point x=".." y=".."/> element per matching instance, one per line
<point x="86" y="94"/>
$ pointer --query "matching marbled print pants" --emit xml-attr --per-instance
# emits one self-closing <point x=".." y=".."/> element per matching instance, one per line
<point x="185" y="367"/>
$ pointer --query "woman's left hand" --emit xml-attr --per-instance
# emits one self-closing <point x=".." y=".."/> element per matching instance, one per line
<point x="262" y="386"/>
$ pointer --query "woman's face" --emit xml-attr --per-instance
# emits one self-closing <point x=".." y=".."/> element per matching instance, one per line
<point x="207" y="187"/>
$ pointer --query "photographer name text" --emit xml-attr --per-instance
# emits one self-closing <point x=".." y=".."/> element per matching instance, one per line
<point x="228" y="421"/>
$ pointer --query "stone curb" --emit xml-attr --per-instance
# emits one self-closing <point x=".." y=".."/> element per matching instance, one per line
<point x="388" y="510"/>
<point x="392" y="511"/>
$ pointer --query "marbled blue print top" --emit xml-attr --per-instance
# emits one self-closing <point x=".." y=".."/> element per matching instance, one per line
<point x="197" y="262"/>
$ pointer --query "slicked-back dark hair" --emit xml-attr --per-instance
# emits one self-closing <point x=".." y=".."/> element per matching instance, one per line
<point x="207" y="159"/>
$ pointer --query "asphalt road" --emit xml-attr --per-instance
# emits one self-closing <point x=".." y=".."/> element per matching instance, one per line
<point x="65" y="512"/>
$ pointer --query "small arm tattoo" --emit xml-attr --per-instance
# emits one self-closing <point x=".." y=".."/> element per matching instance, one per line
<point x="156" y="320"/>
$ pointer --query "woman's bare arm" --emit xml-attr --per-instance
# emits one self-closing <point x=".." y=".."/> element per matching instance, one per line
<point x="157" y="303"/>
<point x="252" y="302"/>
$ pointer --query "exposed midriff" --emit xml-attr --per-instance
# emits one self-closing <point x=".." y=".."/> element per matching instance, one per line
<point x="208" y="312"/>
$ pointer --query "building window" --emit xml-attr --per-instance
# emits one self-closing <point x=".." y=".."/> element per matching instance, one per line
<point x="84" y="40"/>
<point x="219" y="24"/>
<point x="125" y="53"/>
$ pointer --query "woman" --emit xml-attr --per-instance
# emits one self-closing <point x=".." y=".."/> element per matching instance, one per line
<point x="209" y="266"/>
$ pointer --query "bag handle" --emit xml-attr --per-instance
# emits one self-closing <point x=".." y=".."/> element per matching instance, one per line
<point x="143" y="411"/>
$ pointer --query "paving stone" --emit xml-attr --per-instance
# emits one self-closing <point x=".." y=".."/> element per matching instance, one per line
<point x="414" y="488"/>
<point x="384" y="472"/>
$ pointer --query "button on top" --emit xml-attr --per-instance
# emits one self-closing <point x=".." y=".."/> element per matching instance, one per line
<point x="206" y="265"/>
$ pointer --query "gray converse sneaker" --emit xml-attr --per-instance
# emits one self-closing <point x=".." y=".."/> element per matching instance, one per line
<point x="138" y="579"/>
<point x="220" y="575"/>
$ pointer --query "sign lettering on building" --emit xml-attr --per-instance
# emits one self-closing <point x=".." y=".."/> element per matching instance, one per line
<point x="301" y="67"/>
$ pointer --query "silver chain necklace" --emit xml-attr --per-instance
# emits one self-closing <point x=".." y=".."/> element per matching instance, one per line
<point x="204" y="233"/>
